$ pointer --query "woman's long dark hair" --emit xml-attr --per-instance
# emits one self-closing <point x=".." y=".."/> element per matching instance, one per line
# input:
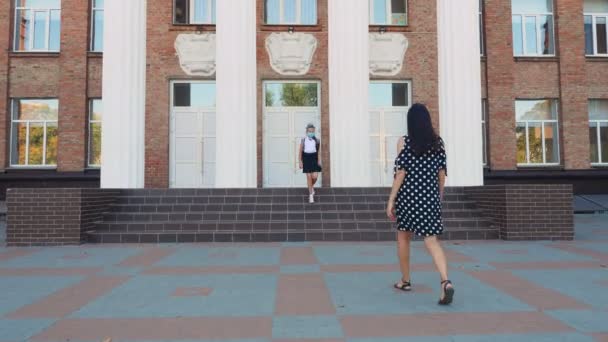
<point x="420" y="130"/>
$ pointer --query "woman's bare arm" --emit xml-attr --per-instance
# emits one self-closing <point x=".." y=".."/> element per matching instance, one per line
<point x="397" y="182"/>
<point x="441" y="183"/>
<point x="300" y="154"/>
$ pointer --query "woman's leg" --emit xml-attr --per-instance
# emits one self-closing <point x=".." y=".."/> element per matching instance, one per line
<point x="403" y="252"/>
<point x="436" y="251"/>
<point x="309" y="182"/>
<point x="315" y="177"/>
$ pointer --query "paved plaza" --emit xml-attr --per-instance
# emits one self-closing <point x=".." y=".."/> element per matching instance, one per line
<point x="506" y="291"/>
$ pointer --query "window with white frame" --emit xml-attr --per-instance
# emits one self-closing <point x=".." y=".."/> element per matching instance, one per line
<point x="598" y="131"/>
<point x="34" y="132"/>
<point x="484" y="132"/>
<point x="596" y="27"/>
<point x="97" y="26"/>
<point x="94" y="146"/>
<point x="537" y="132"/>
<point x="37" y="25"/>
<point x="388" y="12"/>
<point x="201" y="12"/>
<point x="482" y="48"/>
<point x="533" y="29"/>
<point x="290" y="12"/>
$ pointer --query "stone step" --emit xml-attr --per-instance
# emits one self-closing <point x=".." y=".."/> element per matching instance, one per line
<point x="265" y="215"/>
<point x="271" y="225"/>
<point x="265" y="191"/>
<point x="190" y="236"/>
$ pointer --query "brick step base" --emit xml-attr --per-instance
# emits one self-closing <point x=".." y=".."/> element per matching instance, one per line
<point x="190" y="236"/>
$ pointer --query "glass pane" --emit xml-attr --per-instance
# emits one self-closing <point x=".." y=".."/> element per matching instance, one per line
<point x="604" y="141"/>
<point x="289" y="11"/>
<point x="96" y="110"/>
<point x="520" y="135"/>
<point x="532" y="6"/>
<point x="97" y="31"/>
<point x="181" y="11"/>
<point x="535" y="110"/>
<point x="380" y="95"/>
<point x="400" y="98"/>
<point x="202" y="95"/>
<point x="588" y="35"/>
<point x="600" y="28"/>
<point x="43" y="4"/>
<point x="593" y="148"/>
<point x="22" y="30"/>
<point x="51" y="144"/>
<point x="309" y="12"/>
<point x="551" y="143"/>
<point x="598" y="109"/>
<point x="272" y="12"/>
<point x="36" y="144"/>
<point x="95" y="144"/>
<point x="55" y="31"/>
<point x="379" y="12"/>
<point x="18" y="143"/>
<point x="40" y="30"/>
<point x="181" y="95"/>
<point x="596" y="6"/>
<point x="535" y="142"/>
<point x="546" y="34"/>
<point x="531" y="43"/>
<point x="291" y="95"/>
<point x="398" y="12"/>
<point x="98" y="3"/>
<point x="518" y="42"/>
<point x="37" y="110"/>
<point x="201" y="11"/>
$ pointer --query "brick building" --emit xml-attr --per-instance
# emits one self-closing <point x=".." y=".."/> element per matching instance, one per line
<point x="543" y="107"/>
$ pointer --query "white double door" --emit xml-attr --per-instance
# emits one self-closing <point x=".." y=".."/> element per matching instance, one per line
<point x="192" y="146"/>
<point x="386" y="127"/>
<point x="284" y="129"/>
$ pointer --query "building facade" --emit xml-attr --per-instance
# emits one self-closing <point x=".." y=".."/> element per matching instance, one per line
<point x="189" y="93"/>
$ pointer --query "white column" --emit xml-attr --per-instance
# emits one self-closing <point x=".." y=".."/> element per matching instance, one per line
<point x="348" y="92"/>
<point x="236" y="162"/>
<point x="460" y="90"/>
<point x="124" y="94"/>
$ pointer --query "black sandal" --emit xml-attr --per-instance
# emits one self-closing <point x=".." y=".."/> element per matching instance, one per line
<point x="448" y="293"/>
<point x="404" y="286"/>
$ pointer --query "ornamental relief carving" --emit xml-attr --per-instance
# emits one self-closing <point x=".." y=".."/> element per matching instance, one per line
<point x="291" y="53"/>
<point x="196" y="53"/>
<point x="386" y="53"/>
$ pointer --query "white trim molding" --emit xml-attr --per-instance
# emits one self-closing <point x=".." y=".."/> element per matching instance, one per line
<point x="386" y="53"/>
<point x="196" y="53"/>
<point x="124" y="95"/>
<point x="291" y="53"/>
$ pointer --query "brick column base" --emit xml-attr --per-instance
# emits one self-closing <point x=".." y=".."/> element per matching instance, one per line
<point x="54" y="217"/>
<point x="528" y="212"/>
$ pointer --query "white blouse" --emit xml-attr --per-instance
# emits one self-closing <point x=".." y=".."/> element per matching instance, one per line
<point x="310" y="145"/>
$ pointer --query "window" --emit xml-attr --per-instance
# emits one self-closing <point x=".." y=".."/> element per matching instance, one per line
<point x="200" y="95"/>
<point x="34" y="132"/>
<point x="598" y="131"/>
<point x="388" y="12"/>
<point x="194" y="12"/>
<point x="537" y="132"/>
<point x="484" y="130"/>
<point x="388" y="94"/>
<point x="482" y="48"/>
<point x="95" y="115"/>
<point x="291" y="94"/>
<point x="596" y="29"/>
<point x="533" y="27"/>
<point x="37" y="25"/>
<point x="97" y="26"/>
<point x="290" y="12"/>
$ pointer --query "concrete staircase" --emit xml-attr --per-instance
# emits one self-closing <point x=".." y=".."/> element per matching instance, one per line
<point x="270" y="215"/>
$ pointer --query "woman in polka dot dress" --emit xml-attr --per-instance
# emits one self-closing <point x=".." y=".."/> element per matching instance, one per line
<point x="415" y="200"/>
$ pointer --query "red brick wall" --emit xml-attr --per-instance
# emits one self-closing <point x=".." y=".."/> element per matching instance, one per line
<point x="71" y="151"/>
<point x="5" y="10"/>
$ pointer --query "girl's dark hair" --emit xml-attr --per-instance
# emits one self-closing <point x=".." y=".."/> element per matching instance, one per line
<point x="420" y="130"/>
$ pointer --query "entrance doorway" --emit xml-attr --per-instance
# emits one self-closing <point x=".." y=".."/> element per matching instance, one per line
<point x="192" y="134"/>
<point x="288" y="107"/>
<point x="389" y="102"/>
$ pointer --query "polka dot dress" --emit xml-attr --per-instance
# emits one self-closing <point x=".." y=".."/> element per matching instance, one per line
<point x="418" y="205"/>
